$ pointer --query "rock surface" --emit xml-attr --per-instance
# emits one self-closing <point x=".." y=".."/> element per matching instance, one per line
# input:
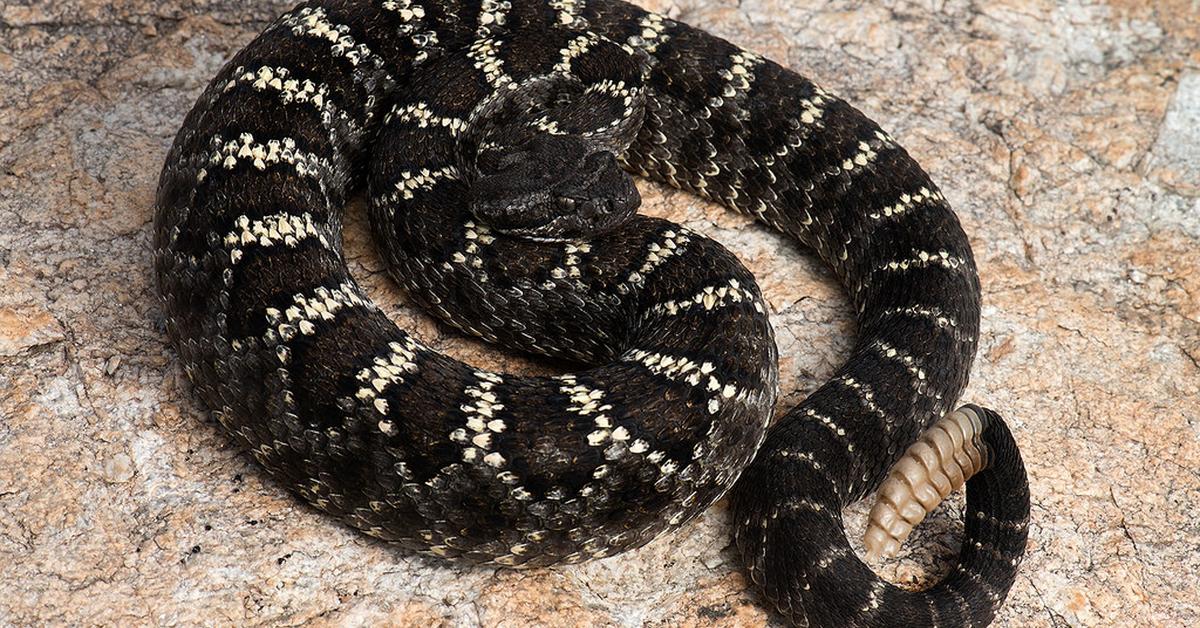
<point x="1065" y="132"/>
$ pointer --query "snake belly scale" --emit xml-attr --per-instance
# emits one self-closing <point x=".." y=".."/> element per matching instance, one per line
<point x="490" y="136"/>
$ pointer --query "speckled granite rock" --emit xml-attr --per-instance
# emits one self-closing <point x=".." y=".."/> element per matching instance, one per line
<point x="1065" y="132"/>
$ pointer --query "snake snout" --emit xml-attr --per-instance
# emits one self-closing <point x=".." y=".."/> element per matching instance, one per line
<point x="609" y="189"/>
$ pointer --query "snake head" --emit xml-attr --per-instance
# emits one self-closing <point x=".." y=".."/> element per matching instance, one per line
<point x="551" y="187"/>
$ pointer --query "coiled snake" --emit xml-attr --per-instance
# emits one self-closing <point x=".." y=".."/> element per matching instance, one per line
<point x="491" y="136"/>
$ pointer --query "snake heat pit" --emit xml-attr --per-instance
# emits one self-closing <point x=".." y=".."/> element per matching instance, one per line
<point x="495" y="140"/>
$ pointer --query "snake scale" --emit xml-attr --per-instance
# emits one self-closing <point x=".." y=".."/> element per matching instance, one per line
<point x="495" y="139"/>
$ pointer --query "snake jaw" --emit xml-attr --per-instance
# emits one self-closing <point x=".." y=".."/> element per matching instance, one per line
<point x="941" y="462"/>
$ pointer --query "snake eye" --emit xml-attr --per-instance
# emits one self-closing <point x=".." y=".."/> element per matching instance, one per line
<point x="567" y="203"/>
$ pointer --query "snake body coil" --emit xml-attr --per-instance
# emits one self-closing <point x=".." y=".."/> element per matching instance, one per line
<point x="488" y="134"/>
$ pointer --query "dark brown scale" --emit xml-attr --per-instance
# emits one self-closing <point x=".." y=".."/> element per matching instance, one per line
<point x="357" y="417"/>
<point x="261" y="280"/>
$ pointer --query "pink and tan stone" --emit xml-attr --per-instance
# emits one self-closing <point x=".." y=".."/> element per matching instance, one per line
<point x="1065" y="132"/>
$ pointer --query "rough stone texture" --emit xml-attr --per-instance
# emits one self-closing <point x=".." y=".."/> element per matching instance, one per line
<point x="1065" y="132"/>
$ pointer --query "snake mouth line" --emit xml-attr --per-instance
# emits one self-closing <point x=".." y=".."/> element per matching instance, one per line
<point x="941" y="462"/>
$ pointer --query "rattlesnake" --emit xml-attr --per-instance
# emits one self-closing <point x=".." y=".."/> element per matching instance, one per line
<point x="489" y="135"/>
